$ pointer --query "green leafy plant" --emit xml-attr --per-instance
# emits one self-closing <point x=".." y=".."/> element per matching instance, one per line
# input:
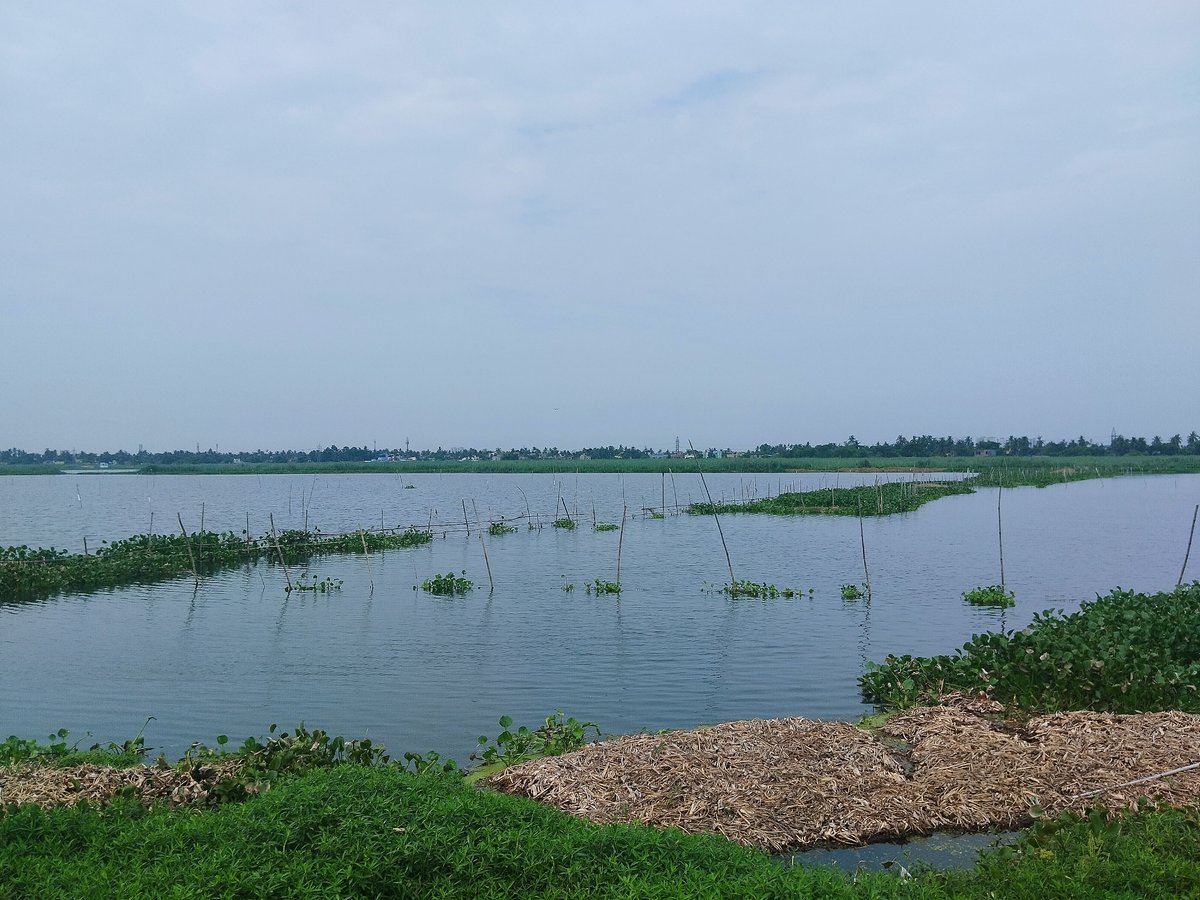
<point x="992" y="595"/>
<point x="555" y="736"/>
<point x="852" y="592"/>
<point x="1123" y="652"/>
<point x="606" y="526"/>
<point x="431" y="763"/>
<point x="758" y="590"/>
<point x="568" y="524"/>
<point x="498" y="528"/>
<point x="447" y="585"/>
<point x="599" y="586"/>
<point x="325" y="586"/>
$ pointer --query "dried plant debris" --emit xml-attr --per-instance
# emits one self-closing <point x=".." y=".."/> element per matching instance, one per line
<point x="791" y="783"/>
<point x="68" y="785"/>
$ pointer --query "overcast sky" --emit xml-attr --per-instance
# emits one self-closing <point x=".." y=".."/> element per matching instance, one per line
<point x="295" y="224"/>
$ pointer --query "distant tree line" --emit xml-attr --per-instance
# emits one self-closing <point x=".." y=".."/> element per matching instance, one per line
<point x="929" y="446"/>
<point x="923" y="446"/>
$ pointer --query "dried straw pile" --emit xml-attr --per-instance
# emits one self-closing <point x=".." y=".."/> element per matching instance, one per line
<point x="790" y="783"/>
<point x="51" y="786"/>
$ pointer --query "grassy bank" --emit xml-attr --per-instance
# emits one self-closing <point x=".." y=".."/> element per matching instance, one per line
<point x="372" y="831"/>
<point x="147" y="558"/>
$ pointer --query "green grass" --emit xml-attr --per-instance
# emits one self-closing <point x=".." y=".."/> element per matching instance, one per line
<point x="358" y="831"/>
<point x="1123" y="652"/>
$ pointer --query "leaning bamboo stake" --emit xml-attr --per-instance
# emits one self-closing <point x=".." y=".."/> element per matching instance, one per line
<point x="620" y="541"/>
<point x="862" y="539"/>
<point x="565" y="510"/>
<point x="279" y="550"/>
<point x="1000" y="532"/>
<point x="673" y="491"/>
<point x="1191" y="534"/>
<point x="85" y="549"/>
<point x="188" y="541"/>
<point x="483" y="544"/>
<point x="367" y="559"/>
<point x="466" y="521"/>
<point x="713" y="506"/>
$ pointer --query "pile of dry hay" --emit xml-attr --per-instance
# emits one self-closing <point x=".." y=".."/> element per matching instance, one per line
<point x="66" y="786"/>
<point x="791" y="783"/>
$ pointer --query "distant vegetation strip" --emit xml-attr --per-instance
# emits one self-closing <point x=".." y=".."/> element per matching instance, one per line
<point x="27" y="573"/>
<point x="883" y="499"/>
<point x="1123" y="652"/>
<point x="991" y="470"/>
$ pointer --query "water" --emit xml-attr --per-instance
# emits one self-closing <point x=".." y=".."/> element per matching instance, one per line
<point x="420" y="673"/>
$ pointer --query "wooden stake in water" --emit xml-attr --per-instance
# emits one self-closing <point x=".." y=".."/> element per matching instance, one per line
<point x="713" y="507"/>
<point x="862" y="539"/>
<point x="1189" y="547"/>
<point x="620" y="541"/>
<point x="466" y="521"/>
<point x="279" y="550"/>
<point x="367" y="558"/>
<point x="565" y="510"/>
<point x="664" y="494"/>
<point x="188" y="541"/>
<point x="479" y="526"/>
<point x="1000" y="532"/>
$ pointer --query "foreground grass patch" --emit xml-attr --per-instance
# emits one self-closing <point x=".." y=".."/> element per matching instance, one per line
<point x="379" y="832"/>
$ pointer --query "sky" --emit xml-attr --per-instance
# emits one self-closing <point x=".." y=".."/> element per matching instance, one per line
<point x="296" y="224"/>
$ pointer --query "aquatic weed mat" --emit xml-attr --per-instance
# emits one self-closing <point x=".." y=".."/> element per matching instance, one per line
<point x="49" y="786"/>
<point x="792" y="783"/>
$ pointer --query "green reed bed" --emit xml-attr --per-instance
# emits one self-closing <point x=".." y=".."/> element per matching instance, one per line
<point x="147" y="558"/>
<point x="1123" y="652"/>
<point x="883" y="499"/>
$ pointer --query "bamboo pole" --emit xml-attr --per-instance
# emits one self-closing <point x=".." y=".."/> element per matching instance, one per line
<point x="565" y="510"/>
<point x="466" y="521"/>
<point x="862" y="539"/>
<point x="620" y="542"/>
<point x="279" y="550"/>
<point x="713" y="506"/>
<point x="1191" y="534"/>
<point x="483" y="544"/>
<point x="1000" y="532"/>
<point x="188" y="541"/>
<point x="367" y="559"/>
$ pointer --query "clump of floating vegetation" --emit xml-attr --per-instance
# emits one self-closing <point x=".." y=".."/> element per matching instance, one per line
<point x="991" y="595"/>
<point x="599" y="586"/>
<point x="852" y="592"/>
<point x="324" y="586"/>
<point x="567" y="523"/>
<point x="447" y="585"/>
<point x="28" y="573"/>
<point x="498" y="528"/>
<point x="868" y="500"/>
<point x="1123" y="652"/>
<point x="758" y="590"/>
<point x="606" y="526"/>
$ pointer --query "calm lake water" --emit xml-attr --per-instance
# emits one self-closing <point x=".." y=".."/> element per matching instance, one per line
<point x="419" y="673"/>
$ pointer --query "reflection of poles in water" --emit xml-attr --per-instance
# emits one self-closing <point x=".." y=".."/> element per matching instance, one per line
<point x="1191" y="534"/>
